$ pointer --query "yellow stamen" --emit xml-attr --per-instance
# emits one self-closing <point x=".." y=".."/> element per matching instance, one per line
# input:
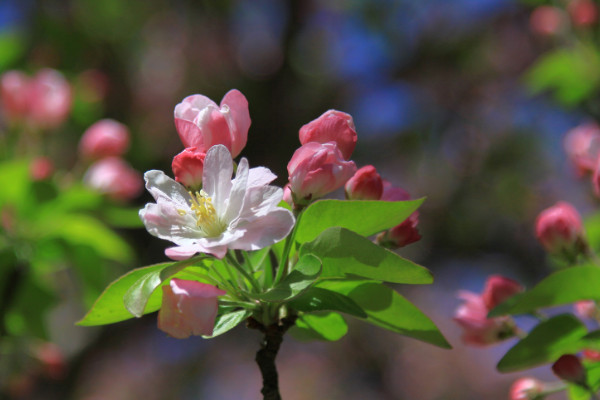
<point x="206" y="215"/>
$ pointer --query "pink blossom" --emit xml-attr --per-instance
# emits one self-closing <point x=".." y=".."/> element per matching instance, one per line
<point x="242" y="213"/>
<point x="114" y="177"/>
<point x="547" y="20"/>
<point x="201" y="123"/>
<point x="49" y="100"/>
<point x="105" y="138"/>
<point x="188" y="167"/>
<point x="287" y="194"/>
<point x="52" y="359"/>
<point x="188" y="308"/>
<point x="366" y="184"/>
<point x="497" y="289"/>
<point x="14" y="90"/>
<point x="583" y="12"/>
<point x="592" y="355"/>
<point x="317" y="169"/>
<point x="586" y="309"/>
<point x="478" y="329"/>
<point x="582" y="145"/>
<point x="41" y="168"/>
<point x="526" y="389"/>
<point x="333" y="126"/>
<point x="559" y="228"/>
<point x="569" y="368"/>
<point x="406" y="232"/>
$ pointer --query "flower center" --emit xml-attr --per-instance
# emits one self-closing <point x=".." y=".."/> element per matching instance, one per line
<point x="206" y="215"/>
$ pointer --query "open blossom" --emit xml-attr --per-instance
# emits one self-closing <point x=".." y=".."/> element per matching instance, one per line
<point x="582" y="145"/>
<point x="317" y="169"/>
<point x="226" y="214"/>
<point x="188" y="308"/>
<point x="366" y="184"/>
<point x="201" y="123"/>
<point x="526" y="389"/>
<point x="332" y="126"/>
<point x="105" y="138"/>
<point x="478" y="329"/>
<point x="14" y="93"/>
<point x="498" y="289"/>
<point x="559" y="228"/>
<point x="49" y="99"/>
<point x="115" y="178"/>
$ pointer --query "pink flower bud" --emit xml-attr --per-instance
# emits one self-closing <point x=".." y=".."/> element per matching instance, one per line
<point x="202" y="124"/>
<point x="547" y="20"/>
<point x="366" y="184"/>
<point x="583" y="12"/>
<point x="569" y="368"/>
<point x="114" y="177"/>
<point x="586" y="309"/>
<point x="317" y="169"/>
<point x="559" y="228"/>
<point x="332" y="126"/>
<point x="498" y="288"/>
<point x="52" y="359"/>
<point x="105" y="138"/>
<point x="287" y="194"/>
<point x="41" y="169"/>
<point x="591" y="355"/>
<point x="582" y="145"/>
<point x="526" y="389"/>
<point x="49" y="99"/>
<point x="405" y="233"/>
<point x="188" y="167"/>
<point x="188" y="308"/>
<point x="478" y="329"/>
<point x="14" y="90"/>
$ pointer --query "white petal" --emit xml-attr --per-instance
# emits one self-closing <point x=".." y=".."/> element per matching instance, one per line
<point x="265" y="231"/>
<point x="260" y="176"/>
<point x="179" y="253"/>
<point x="260" y="200"/>
<point x="161" y="186"/>
<point x="164" y="221"/>
<point x="238" y="192"/>
<point x="218" y="167"/>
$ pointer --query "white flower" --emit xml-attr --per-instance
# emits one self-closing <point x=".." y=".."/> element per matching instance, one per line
<point x="226" y="214"/>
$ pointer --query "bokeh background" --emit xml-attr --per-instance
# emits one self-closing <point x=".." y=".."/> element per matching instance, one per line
<point x="463" y="101"/>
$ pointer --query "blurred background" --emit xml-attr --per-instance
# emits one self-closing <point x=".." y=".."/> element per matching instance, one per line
<point x="464" y="101"/>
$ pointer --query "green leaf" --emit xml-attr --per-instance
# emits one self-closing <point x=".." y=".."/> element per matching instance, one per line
<point x="123" y="217"/>
<point x="318" y="299"/>
<point x="137" y="296"/>
<point x="347" y="254"/>
<point x="389" y="310"/>
<point x="12" y="46"/>
<point x="110" y="308"/>
<point x="562" y="287"/>
<point x="14" y="181"/>
<point x="228" y="321"/>
<point x="79" y="229"/>
<point x="351" y="214"/>
<point x="319" y="326"/>
<point x="304" y="274"/>
<point x="545" y="344"/>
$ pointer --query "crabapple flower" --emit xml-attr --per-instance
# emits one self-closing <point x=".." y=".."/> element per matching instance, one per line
<point x="582" y="145"/>
<point x="105" y="138"/>
<point x="583" y="12"/>
<point x="41" y="168"/>
<point x="115" y="178"/>
<point x="404" y="233"/>
<point x="569" y="368"/>
<point x="317" y="169"/>
<point x="188" y="308"/>
<point x="478" y="329"/>
<point x="547" y="20"/>
<point x="498" y="289"/>
<point x="591" y="355"/>
<point x="14" y="94"/>
<point x="226" y="214"/>
<point x="188" y="167"/>
<point x="586" y="309"/>
<point x="332" y="126"/>
<point x="526" y="389"/>
<point x="49" y="99"/>
<point x="366" y="184"/>
<point x="201" y="123"/>
<point x="559" y="229"/>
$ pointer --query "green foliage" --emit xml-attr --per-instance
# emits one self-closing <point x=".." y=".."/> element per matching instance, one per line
<point x="545" y="344"/>
<point x="389" y="310"/>
<point x="227" y="321"/>
<point x="365" y="217"/>
<point x="562" y="287"/>
<point x="576" y="392"/>
<point x="304" y="274"/>
<point x="346" y="254"/>
<point x="319" y="299"/>
<point x="11" y="48"/>
<point x="319" y="326"/>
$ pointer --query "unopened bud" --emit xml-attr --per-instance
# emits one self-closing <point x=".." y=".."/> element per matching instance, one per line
<point x="499" y="288"/>
<point x="569" y="368"/>
<point x="188" y="167"/>
<point x="366" y="184"/>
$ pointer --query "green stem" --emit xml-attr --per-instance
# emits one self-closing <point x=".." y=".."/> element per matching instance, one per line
<point x="244" y="304"/>
<point x="243" y="271"/>
<point x="289" y="241"/>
